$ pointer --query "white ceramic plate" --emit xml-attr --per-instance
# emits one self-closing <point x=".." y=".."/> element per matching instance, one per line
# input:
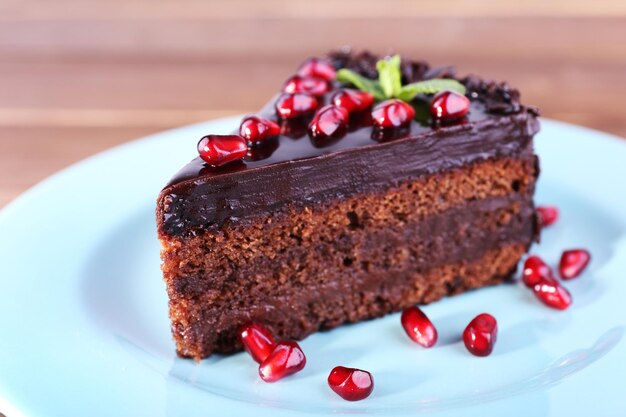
<point x="84" y="328"/>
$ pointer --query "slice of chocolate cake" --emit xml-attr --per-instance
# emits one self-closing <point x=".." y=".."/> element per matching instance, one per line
<point x="355" y="193"/>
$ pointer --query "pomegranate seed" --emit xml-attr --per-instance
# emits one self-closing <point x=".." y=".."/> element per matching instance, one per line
<point x="418" y="327"/>
<point x="258" y="341"/>
<point x="287" y="358"/>
<point x="315" y="67"/>
<point x="311" y="85"/>
<point x="448" y="105"/>
<point x="480" y="335"/>
<point x="289" y="106"/>
<point x="392" y="113"/>
<point x="534" y="270"/>
<point x="351" y="384"/>
<point x="547" y="215"/>
<point x="573" y="262"/>
<point x="352" y="100"/>
<point x="329" y="121"/>
<point x="218" y="150"/>
<point x="257" y="129"/>
<point x="551" y="293"/>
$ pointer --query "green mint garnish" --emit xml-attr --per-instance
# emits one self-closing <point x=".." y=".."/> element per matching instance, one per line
<point x="389" y="84"/>
<point x="345" y="75"/>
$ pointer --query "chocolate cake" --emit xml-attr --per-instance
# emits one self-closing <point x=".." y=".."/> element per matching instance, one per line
<point x="342" y="214"/>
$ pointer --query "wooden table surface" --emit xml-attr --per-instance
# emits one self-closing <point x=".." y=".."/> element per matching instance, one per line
<point x="80" y="76"/>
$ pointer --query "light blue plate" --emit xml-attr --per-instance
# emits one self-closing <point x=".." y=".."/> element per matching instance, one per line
<point x="84" y="328"/>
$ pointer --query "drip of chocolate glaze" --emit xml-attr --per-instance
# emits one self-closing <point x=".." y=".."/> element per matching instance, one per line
<point x="205" y="200"/>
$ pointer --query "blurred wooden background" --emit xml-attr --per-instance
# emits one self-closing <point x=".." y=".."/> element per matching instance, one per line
<point x="79" y="76"/>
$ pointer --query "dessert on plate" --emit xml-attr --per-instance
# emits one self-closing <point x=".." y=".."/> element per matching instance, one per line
<point x="366" y="185"/>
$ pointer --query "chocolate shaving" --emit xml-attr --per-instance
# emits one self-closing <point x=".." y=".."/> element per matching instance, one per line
<point x="499" y="98"/>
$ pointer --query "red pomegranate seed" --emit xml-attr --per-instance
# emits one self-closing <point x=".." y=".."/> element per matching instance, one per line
<point x="311" y="85"/>
<point x="287" y="358"/>
<point x="315" y="67"/>
<point x="329" y="121"/>
<point x="547" y="215"/>
<point x="573" y="262"/>
<point x="392" y="113"/>
<point x="448" y="105"/>
<point x="352" y="100"/>
<point x="351" y="384"/>
<point x="480" y="335"/>
<point x="534" y="270"/>
<point x="289" y="106"/>
<point x="418" y="327"/>
<point x="218" y="150"/>
<point x="551" y="293"/>
<point x="258" y="341"/>
<point x="257" y="129"/>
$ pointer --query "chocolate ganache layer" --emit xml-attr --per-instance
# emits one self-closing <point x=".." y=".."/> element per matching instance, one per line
<point x="303" y="171"/>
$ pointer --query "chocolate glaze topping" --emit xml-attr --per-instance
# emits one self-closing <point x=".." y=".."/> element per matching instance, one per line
<point x="296" y="169"/>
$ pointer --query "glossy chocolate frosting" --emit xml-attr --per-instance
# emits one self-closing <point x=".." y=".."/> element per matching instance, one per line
<point x="298" y="170"/>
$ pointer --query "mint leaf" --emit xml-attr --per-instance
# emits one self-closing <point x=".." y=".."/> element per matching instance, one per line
<point x="409" y="91"/>
<point x="389" y="75"/>
<point x="345" y="75"/>
<point x="389" y="82"/>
